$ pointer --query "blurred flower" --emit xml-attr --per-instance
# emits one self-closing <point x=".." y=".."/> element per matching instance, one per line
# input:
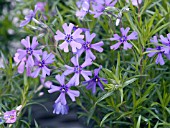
<point x="123" y="39"/>
<point x="77" y="70"/>
<point x="84" y="8"/>
<point x="159" y="51"/>
<point x="87" y="46"/>
<point x="41" y="6"/>
<point x="91" y="84"/>
<point x="60" y="108"/>
<point x="64" y="89"/>
<point x="29" y="17"/>
<point x="42" y="65"/>
<point x="26" y="56"/>
<point x="134" y="2"/>
<point x="69" y="39"/>
<point x="10" y="116"/>
<point x="166" y="42"/>
<point x="101" y="5"/>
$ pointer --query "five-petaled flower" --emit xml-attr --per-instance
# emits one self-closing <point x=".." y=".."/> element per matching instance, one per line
<point x="166" y="42"/>
<point x="42" y="65"/>
<point x="159" y="51"/>
<point x="10" y="116"/>
<point x="124" y="39"/>
<point x="78" y="70"/>
<point x="29" y="52"/>
<point x="96" y="80"/>
<point x="29" y="17"/>
<point x="63" y="89"/>
<point x="69" y="38"/>
<point x="87" y="46"/>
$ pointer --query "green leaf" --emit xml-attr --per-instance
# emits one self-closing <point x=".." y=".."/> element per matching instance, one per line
<point x="138" y="123"/>
<point x="105" y="117"/>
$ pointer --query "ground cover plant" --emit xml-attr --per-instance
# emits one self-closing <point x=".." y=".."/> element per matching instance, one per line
<point x="110" y="58"/>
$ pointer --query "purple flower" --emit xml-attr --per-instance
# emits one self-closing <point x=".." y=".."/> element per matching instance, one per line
<point x="10" y="116"/>
<point x="134" y="2"/>
<point x="69" y="38"/>
<point x="60" y="108"/>
<point x="123" y="39"/>
<point x="87" y="46"/>
<point x="84" y="9"/>
<point x="41" y="6"/>
<point x="63" y="89"/>
<point x="77" y="70"/>
<point x="101" y="5"/>
<point x="159" y="51"/>
<point x="27" y="55"/>
<point x="22" y="65"/>
<point x="166" y="42"/>
<point x="91" y="84"/>
<point x="42" y="65"/>
<point x="29" y="17"/>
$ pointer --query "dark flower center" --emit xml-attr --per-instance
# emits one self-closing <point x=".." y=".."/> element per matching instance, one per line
<point x="87" y="45"/>
<point x="77" y="69"/>
<point x="158" y="48"/>
<point x="123" y="39"/>
<point x="96" y="79"/>
<point x="29" y="51"/>
<point x="64" y="88"/>
<point x="68" y="38"/>
<point x="41" y="63"/>
<point x="11" y="117"/>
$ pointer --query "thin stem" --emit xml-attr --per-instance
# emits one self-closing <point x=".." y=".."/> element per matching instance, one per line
<point x="138" y="11"/>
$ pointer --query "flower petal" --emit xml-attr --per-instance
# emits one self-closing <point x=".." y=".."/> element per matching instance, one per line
<point x="59" y="36"/>
<point x="73" y="94"/>
<point x="116" y="46"/>
<point x="60" y="79"/>
<point x="64" y="46"/>
<point x="36" y="72"/>
<point x="86" y="63"/>
<point x="97" y="46"/>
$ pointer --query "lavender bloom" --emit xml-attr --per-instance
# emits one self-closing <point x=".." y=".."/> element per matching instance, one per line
<point x="134" y="2"/>
<point x="78" y="70"/>
<point x="42" y="65"/>
<point x="85" y="6"/>
<point x="123" y="39"/>
<point x="41" y="6"/>
<point x="159" y="51"/>
<point x="29" y="17"/>
<point x="10" y="116"/>
<point x="99" y="8"/>
<point x="60" y="108"/>
<point x="96" y="80"/>
<point x="87" y="46"/>
<point x="166" y="42"/>
<point x="29" y="52"/>
<point x="69" y="38"/>
<point x="63" y="89"/>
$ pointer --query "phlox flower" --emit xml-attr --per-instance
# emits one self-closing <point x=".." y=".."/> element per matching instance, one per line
<point x="10" y="117"/>
<point x="42" y="64"/>
<point x="158" y="50"/>
<point x="60" y="108"/>
<point x="69" y="38"/>
<point x="96" y="80"/>
<point x="87" y="46"/>
<point x="123" y="39"/>
<point x="63" y="89"/>
<point x="29" y="17"/>
<point x="78" y="70"/>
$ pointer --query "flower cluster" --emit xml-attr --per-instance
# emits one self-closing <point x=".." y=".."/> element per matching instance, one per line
<point x="98" y="7"/>
<point x="160" y="49"/>
<point x="75" y="40"/>
<point x="30" y="57"/>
